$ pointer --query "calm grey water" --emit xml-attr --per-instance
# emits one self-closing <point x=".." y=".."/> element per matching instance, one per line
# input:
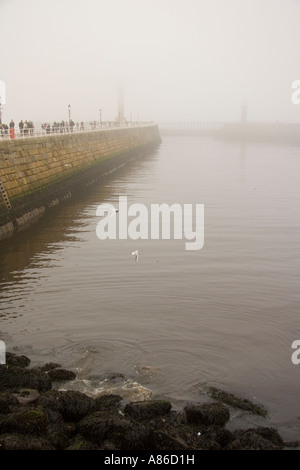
<point x="176" y="320"/>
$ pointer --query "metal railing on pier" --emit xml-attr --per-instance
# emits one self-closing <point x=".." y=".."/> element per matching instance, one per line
<point x="46" y="130"/>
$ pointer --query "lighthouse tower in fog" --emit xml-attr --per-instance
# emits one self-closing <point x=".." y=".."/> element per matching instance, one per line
<point x="120" y="117"/>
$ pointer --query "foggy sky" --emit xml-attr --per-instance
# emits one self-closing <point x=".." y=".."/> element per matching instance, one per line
<point x="178" y="60"/>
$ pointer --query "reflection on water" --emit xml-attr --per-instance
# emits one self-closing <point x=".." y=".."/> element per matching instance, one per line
<point x="224" y="315"/>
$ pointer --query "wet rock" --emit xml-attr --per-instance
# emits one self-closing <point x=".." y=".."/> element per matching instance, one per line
<point x="147" y="410"/>
<point x="57" y="431"/>
<point x="290" y="444"/>
<point x="164" y="441"/>
<point x="268" y="433"/>
<point x="171" y="421"/>
<point x="177" y="418"/>
<point x="127" y="435"/>
<point x="120" y="431"/>
<point x="80" y="443"/>
<point x="108" y="403"/>
<point x="9" y="398"/>
<point x="251" y="440"/>
<point x="198" y="437"/>
<point x="60" y="375"/>
<point x="206" y="443"/>
<point x="107" y="445"/>
<point x="12" y="377"/>
<point x="7" y="402"/>
<point x="24" y="442"/>
<point x="72" y="420"/>
<point x="13" y="360"/>
<point x="94" y="427"/>
<point x="218" y="434"/>
<point x="49" y="366"/>
<point x="28" y="421"/>
<point x="236" y="402"/>
<point x="25" y="396"/>
<point x="72" y="405"/>
<point x="207" y="414"/>
<point x="4" y="406"/>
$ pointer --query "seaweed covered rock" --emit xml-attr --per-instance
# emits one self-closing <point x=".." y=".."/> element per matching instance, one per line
<point x="33" y="416"/>
<point x="128" y="435"/>
<point x="147" y="410"/>
<point x="256" y="439"/>
<point x="80" y="443"/>
<point x="269" y="433"/>
<point x="72" y="405"/>
<point x="236" y="402"/>
<point x="24" y="442"/>
<point x="218" y="434"/>
<point x="25" y="421"/>
<point x="95" y="427"/>
<point x="57" y="431"/>
<point x="49" y="366"/>
<point x="121" y="432"/>
<point x="13" y="359"/>
<point x="7" y="402"/>
<point x="60" y="375"/>
<point x="207" y="414"/>
<point x="173" y="432"/>
<point x="108" y="402"/>
<point x="12" y="377"/>
<point x="4" y="406"/>
<point x="166" y="441"/>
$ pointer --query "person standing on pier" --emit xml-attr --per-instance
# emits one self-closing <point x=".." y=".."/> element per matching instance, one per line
<point x="12" y="129"/>
<point x="21" y="127"/>
<point x="25" y="131"/>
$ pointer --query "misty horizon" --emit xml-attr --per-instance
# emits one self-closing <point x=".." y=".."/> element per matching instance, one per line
<point x="191" y="61"/>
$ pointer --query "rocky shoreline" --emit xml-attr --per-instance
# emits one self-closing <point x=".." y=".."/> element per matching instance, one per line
<point x="35" y="416"/>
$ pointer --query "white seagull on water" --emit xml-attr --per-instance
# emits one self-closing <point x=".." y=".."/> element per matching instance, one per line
<point x="136" y="255"/>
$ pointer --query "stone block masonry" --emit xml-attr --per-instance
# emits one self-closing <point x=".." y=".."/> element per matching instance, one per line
<point x="37" y="173"/>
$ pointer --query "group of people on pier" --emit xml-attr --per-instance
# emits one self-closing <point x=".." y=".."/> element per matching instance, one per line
<point x="62" y="126"/>
<point x="25" y="128"/>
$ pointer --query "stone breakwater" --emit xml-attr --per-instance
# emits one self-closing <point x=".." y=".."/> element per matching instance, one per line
<point x="36" y="416"/>
<point x="40" y="172"/>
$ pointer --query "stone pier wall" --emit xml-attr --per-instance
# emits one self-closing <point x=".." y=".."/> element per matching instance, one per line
<point x="37" y="173"/>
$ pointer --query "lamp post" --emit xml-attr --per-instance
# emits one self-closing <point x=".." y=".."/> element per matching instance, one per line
<point x="100" y="117"/>
<point x="69" y="111"/>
